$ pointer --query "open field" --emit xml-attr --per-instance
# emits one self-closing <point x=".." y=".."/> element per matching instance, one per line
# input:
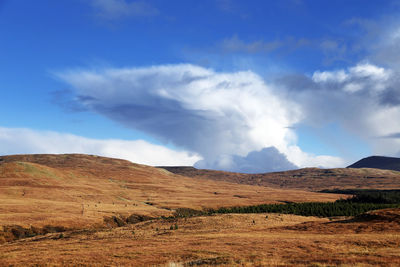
<point x="226" y="240"/>
<point x="79" y="190"/>
<point x="70" y="207"/>
<point x="310" y="179"/>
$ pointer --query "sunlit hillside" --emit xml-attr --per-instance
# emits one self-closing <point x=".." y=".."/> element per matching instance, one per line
<point x="76" y="190"/>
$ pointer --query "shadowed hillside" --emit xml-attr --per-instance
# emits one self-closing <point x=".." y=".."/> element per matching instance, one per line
<point x="312" y="179"/>
<point x="75" y="190"/>
<point x="378" y="162"/>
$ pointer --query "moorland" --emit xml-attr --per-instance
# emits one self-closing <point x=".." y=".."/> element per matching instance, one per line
<point x="75" y="209"/>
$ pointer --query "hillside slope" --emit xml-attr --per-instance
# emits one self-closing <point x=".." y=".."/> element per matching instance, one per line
<point x="311" y="179"/>
<point x="378" y="162"/>
<point x="76" y="190"/>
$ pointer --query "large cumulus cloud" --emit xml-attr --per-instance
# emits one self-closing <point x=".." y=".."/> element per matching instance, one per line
<point x="225" y="116"/>
<point x="266" y="160"/>
<point x="215" y="114"/>
<point x="236" y="118"/>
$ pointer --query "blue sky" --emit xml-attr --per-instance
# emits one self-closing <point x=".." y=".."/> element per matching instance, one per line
<point x="214" y="83"/>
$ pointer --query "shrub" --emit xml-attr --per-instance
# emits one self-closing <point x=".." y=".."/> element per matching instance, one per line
<point x="52" y="229"/>
<point x="134" y="218"/>
<point x="186" y="212"/>
<point x="320" y="209"/>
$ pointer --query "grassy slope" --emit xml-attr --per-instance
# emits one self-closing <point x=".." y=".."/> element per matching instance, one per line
<point x="311" y="179"/>
<point x="227" y="240"/>
<point x="79" y="190"/>
<point x="52" y="188"/>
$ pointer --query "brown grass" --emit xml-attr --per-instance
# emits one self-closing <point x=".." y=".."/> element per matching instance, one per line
<point x="226" y="240"/>
<point x="79" y="190"/>
<point x="311" y="179"/>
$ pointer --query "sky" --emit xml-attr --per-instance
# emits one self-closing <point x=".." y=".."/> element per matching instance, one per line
<point x="246" y="86"/>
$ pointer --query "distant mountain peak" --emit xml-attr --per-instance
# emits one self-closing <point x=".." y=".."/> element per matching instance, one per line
<point x="378" y="162"/>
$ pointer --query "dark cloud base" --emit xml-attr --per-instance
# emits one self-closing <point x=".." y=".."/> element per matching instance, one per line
<point x="268" y="159"/>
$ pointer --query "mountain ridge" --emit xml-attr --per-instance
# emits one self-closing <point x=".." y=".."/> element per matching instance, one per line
<point x="310" y="179"/>
<point x="378" y="162"/>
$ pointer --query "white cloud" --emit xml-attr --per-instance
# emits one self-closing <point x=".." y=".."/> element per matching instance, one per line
<point x="308" y="160"/>
<point x="363" y="72"/>
<point x="370" y="71"/>
<point x="363" y="76"/>
<point x="265" y="160"/>
<point x="218" y="115"/>
<point x="352" y="87"/>
<point x="115" y="9"/>
<point x="364" y="99"/>
<point x="329" y="76"/>
<point x="226" y="116"/>
<point x="27" y="141"/>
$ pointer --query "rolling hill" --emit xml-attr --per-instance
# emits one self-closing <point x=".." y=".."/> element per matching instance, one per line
<point x="79" y="192"/>
<point x="311" y="179"/>
<point x="75" y="190"/>
<point x="378" y="162"/>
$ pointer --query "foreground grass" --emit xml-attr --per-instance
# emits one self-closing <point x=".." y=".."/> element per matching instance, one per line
<point x="317" y="209"/>
<point x="221" y="239"/>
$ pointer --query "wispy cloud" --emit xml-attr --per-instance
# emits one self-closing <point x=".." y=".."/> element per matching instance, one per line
<point x="234" y="44"/>
<point x="117" y="9"/>
<point x="393" y="135"/>
<point x="26" y="141"/>
<point x="331" y="49"/>
<point x="379" y="38"/>
<point x="232" y="7"/>
<point x="226" y="5"/>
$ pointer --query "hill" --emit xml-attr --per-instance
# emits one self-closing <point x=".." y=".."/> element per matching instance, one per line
<point x="378" y="162"/>
<point x="311" y="179"/>
<point x="76" y="190"/>
<point x="82" y="193"/>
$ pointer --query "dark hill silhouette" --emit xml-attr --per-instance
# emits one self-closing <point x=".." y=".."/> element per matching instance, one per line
<point x="378" y="162"/>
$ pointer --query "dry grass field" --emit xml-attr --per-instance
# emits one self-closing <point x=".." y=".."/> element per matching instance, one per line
<point x="309" y="179"/>
<point x="81" y="193"/>
<point x="225" y="240"/>
<point x="79" y="190"/>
